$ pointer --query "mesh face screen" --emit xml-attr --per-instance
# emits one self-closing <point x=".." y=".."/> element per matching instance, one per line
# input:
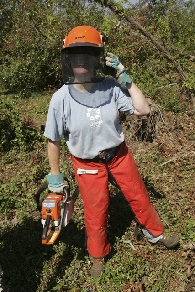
<point x="82" y="65"/>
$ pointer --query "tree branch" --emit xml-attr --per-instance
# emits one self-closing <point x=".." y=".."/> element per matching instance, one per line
<point x="38" y="29"/>
<point x="114" y="7"/>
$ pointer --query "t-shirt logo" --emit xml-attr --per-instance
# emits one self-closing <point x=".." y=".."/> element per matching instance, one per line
<point x="94" y="114"/>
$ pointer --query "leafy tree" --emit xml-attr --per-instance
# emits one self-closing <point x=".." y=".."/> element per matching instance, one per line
<point x="31" y="47"/>
<point x="157" y="59"/>
<point x="154" y="40"/>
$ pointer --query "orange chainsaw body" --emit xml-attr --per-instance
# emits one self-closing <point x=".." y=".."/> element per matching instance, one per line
<point x="51" y="217"/>
<point x="56" y="211"/>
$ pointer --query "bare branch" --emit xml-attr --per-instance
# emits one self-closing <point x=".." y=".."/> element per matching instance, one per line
<point x="44" y="35"/>
<point x="178" y="156"/>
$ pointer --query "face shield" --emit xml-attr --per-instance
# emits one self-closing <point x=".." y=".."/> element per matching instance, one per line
<point x="82" y="64"/>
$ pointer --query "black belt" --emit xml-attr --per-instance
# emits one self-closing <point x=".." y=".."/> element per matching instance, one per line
<point x="106" y="155"/>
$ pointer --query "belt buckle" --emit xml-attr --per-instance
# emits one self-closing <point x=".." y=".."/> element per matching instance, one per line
<point x="102" y="154"/>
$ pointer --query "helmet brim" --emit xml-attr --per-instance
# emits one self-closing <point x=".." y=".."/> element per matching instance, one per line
<point x="83" y="44"/>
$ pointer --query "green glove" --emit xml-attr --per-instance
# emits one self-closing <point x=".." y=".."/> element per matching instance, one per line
<point x="56" y="183"/>
<point x="121" y="75"/>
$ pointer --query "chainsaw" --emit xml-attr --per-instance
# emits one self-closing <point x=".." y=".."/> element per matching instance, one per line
<point x="56" y="211"/>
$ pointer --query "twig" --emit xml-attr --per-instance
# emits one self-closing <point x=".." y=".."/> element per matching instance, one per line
<point x="130" y="243"/>
<point x="178" y="156"/>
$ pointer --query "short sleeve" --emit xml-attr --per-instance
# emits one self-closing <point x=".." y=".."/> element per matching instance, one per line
<point x="124" y="100"/>
<point x="54" y="128"/>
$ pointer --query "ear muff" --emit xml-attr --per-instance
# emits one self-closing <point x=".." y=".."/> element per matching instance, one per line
<point x="104" y="38"/>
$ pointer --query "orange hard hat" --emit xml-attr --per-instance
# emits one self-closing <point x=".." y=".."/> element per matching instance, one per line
<point x="84" y="36"/>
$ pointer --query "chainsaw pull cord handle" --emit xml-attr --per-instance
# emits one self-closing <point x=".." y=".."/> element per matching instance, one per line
<point x="46" y="226"/>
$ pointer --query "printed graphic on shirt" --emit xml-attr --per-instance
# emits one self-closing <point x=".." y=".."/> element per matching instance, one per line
<point x="94" y="114"/>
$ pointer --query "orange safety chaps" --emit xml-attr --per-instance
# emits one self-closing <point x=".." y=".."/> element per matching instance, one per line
<point x="94" y="192"/>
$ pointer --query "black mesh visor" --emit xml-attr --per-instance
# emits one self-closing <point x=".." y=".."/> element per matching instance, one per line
<point x="83" y="65"/>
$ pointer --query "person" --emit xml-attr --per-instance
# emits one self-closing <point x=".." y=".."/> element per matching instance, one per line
<point x="85" y="110"/>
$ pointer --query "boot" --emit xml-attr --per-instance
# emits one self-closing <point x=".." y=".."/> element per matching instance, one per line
<point x="97" y="268"/>
<point x="169" y="242"/>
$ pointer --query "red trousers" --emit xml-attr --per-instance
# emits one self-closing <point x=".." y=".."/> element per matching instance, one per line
<point x="95" y="195"/>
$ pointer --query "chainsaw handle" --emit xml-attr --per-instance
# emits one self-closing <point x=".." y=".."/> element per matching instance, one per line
<point x="37" y="196"/>
<point x="46" y="226"/>
<point x="66" y="192"/>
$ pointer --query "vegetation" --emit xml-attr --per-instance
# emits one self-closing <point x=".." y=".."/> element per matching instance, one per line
<point x="155" y="41"/>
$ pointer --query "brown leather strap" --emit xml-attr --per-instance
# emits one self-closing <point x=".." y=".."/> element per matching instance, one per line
<point x="106" y="155"/>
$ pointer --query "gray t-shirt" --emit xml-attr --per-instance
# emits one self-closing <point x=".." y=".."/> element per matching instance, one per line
<point x="89" y="120"/>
